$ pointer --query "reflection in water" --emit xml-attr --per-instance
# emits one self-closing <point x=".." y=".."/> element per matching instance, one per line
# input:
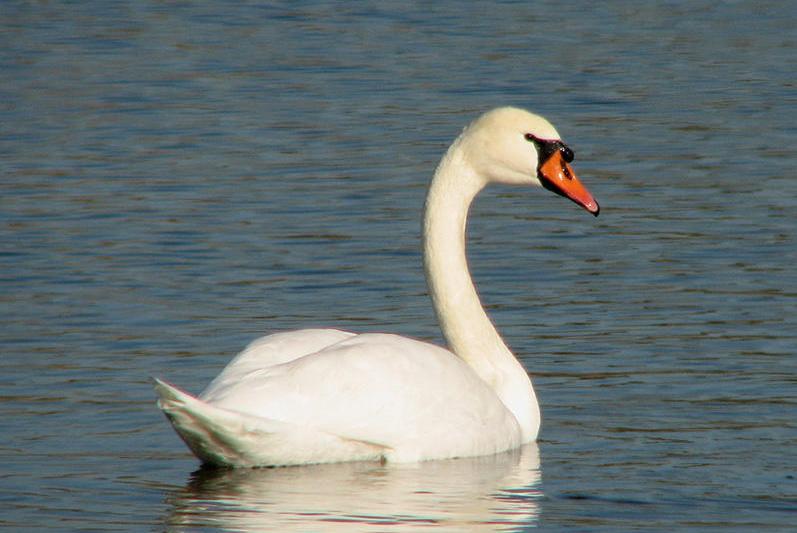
<point x="481" y="493"/>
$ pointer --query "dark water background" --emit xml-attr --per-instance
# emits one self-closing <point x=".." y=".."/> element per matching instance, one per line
<point x="178" y="178"/>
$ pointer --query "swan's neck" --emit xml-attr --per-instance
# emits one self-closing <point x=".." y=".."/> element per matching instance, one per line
<point x="465" y="325"/>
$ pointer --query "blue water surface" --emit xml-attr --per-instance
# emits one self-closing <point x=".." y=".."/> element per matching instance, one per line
<point x="179" y="178"/>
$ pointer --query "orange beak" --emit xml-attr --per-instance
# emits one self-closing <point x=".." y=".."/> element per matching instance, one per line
<point x="557" y="175"/>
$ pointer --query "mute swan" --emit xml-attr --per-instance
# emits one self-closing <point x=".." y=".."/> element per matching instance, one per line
<point x="324" y="395"/>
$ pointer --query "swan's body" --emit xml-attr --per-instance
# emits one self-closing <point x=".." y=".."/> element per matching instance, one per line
<point x="321" y="395"/>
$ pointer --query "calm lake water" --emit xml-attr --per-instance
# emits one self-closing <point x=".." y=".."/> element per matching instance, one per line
<point x="179" y="178"/>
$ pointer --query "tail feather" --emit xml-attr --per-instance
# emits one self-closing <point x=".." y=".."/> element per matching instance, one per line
<point x="208" y="431"/>
<point x="223" y="437"/>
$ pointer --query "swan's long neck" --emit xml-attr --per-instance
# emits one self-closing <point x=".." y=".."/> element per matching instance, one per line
<point x="465" y="325"/>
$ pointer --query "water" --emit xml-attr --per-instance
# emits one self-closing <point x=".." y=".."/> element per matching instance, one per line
<point x="179" y="178"/>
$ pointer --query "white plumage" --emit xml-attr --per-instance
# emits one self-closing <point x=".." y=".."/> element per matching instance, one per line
<point x="324" y="395"/>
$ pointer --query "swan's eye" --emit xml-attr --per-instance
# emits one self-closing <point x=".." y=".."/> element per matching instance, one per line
<point x="567" y="153"/>
<point x="547" y="148"/>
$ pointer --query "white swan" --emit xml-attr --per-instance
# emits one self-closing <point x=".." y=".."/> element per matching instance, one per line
<point x="322" y="395"/>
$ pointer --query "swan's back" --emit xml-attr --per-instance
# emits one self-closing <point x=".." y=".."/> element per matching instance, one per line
<point x="272" y="350"/>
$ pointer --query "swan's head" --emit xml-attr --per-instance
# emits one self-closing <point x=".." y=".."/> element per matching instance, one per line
<point x="511" y="145"/>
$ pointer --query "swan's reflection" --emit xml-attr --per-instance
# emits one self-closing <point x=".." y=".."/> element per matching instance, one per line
<point x="481" y="493"/>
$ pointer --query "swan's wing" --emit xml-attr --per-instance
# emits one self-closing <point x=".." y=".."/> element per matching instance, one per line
<point x="229" y="438"/>
<point x="272" y="350"/>
<point x="417" y="400"/>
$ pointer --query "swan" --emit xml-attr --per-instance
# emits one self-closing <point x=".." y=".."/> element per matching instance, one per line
<point x="325" y="395"/>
